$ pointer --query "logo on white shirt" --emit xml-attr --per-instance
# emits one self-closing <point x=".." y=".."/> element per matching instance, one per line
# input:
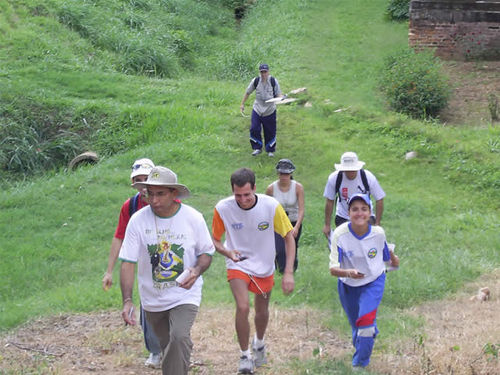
<point x="372" y="253"/>
<point x="263" y="225"/>
<point x="345" y="193"/>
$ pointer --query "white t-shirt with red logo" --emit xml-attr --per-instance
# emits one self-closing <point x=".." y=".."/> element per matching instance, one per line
<point x="350" y="187"/>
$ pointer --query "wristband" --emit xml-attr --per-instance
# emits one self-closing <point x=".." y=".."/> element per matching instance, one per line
<point x="126" y="300"/>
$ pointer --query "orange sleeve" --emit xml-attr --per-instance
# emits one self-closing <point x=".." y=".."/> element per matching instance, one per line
<point x="218" y="228"/>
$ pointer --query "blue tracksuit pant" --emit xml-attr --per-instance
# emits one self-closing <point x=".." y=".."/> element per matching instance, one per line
<point x="360" y="305"/>
<point x="268" y="123"/>
<point x="150" y="340"/>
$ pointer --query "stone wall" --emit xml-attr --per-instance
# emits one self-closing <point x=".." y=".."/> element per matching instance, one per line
<point x="456" y="29"/>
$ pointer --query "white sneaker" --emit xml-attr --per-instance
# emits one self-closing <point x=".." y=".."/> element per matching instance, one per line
<point x="154" y="360"/>
<point x="259" y="354"/>
<point x="246" y="365"/>
<point x="256" y="152"/>
<point x="270" y="154"/>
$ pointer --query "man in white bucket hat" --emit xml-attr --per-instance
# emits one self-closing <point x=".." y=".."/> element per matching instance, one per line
<point x="348" y="179"/>
<point x="171" y="245"/>
<point x="140" y="172"/>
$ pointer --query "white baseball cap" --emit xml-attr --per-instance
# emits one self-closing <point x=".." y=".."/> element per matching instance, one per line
<point x="142" y="167"/>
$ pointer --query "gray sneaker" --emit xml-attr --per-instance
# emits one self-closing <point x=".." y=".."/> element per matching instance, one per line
<point x="270" y="154"/>
<point x="154" y="361"/>
<point x="256" y="152"/>
<point x="259" y="354"/>
<point x="246" y="365"/>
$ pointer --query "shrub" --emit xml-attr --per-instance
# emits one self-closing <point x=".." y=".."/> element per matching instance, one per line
<point x="413" y="83"/>
<point x="398" y="10"/>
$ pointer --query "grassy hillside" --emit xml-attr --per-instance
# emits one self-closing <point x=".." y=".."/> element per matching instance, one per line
<point x="60" y="80"/>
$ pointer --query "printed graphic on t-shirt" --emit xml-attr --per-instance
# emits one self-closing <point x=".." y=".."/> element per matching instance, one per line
<point x="372" y="253"/>
<point x="167" y="261"/>
<point x="345" y="193"/>
<point x="237" y="225"/>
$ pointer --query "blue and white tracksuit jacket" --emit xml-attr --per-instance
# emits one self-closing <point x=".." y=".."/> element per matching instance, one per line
<point x="360" y="297"/>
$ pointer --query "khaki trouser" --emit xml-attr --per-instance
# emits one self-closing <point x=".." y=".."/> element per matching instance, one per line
<point x="173" y="329"/>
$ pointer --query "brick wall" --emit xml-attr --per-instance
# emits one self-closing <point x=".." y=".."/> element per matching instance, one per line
<point x="457" y="29"/>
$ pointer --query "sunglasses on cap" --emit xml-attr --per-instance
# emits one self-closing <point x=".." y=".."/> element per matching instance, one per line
<point x="137" y="166"/>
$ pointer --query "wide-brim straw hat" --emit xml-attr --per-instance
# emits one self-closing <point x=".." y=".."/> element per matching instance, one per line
<point x="161" y="176"/>
<point x="349" y="162"/>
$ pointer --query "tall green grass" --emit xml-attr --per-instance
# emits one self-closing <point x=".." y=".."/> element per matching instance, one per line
<point x="441" y="208"/>
<point x="59" y="72"/>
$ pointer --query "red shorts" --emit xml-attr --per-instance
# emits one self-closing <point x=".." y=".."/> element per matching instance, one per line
<point x="254" y="283"/>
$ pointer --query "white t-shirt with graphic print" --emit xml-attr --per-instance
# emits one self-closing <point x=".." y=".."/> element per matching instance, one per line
<point x="178" y="240"/>
<point x="350" y="187"/>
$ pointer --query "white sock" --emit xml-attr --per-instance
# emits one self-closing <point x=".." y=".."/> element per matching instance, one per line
<point x="246" y="353"/>
<point x="258" y="343"/>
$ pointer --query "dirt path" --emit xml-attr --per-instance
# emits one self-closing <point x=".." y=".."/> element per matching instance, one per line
<point x="472" y="83"/>
<point x="453" y="341"/>
<point x="100" y="343"/>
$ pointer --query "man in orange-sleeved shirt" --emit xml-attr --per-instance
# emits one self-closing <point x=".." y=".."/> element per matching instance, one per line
<point x="249" y="221"/>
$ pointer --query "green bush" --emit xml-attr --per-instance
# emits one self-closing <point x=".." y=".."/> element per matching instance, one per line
<point x="398" y="10"/>
<point x="413" y="83"/>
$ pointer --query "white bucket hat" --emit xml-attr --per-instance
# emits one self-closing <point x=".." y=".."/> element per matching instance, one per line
<point x="349" y="162"/>
<point x="141" y="167"/>
<point x="161" y="176"/>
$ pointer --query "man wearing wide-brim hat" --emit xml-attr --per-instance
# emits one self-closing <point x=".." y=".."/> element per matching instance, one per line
<point x="348" y="179"/>
<point x="166" y="239"/>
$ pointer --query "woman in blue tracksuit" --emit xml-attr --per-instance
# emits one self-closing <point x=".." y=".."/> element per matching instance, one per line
<point x="358" y="253"/>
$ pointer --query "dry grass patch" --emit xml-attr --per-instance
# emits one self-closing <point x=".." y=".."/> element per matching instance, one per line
<point x="472" y="83"/>
<point x="456" y="337"/>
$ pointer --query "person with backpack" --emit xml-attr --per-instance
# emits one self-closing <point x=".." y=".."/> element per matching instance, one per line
<point x="140" y="172"/>
<point x="263" y="114"/>
<point x="348" y="179"/>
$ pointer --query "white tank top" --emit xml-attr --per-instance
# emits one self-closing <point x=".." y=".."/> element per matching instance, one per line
<point x="288" y="199"/>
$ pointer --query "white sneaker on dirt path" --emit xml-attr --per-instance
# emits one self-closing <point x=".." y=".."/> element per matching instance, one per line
<point x="259" y="354"/>
<point x="154" y="360"/>
<point x="246" y="365"/>
<point x="256" y="152"/>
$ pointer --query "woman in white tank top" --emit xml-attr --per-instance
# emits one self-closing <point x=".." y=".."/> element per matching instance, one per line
<point x="290" y="194"/>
